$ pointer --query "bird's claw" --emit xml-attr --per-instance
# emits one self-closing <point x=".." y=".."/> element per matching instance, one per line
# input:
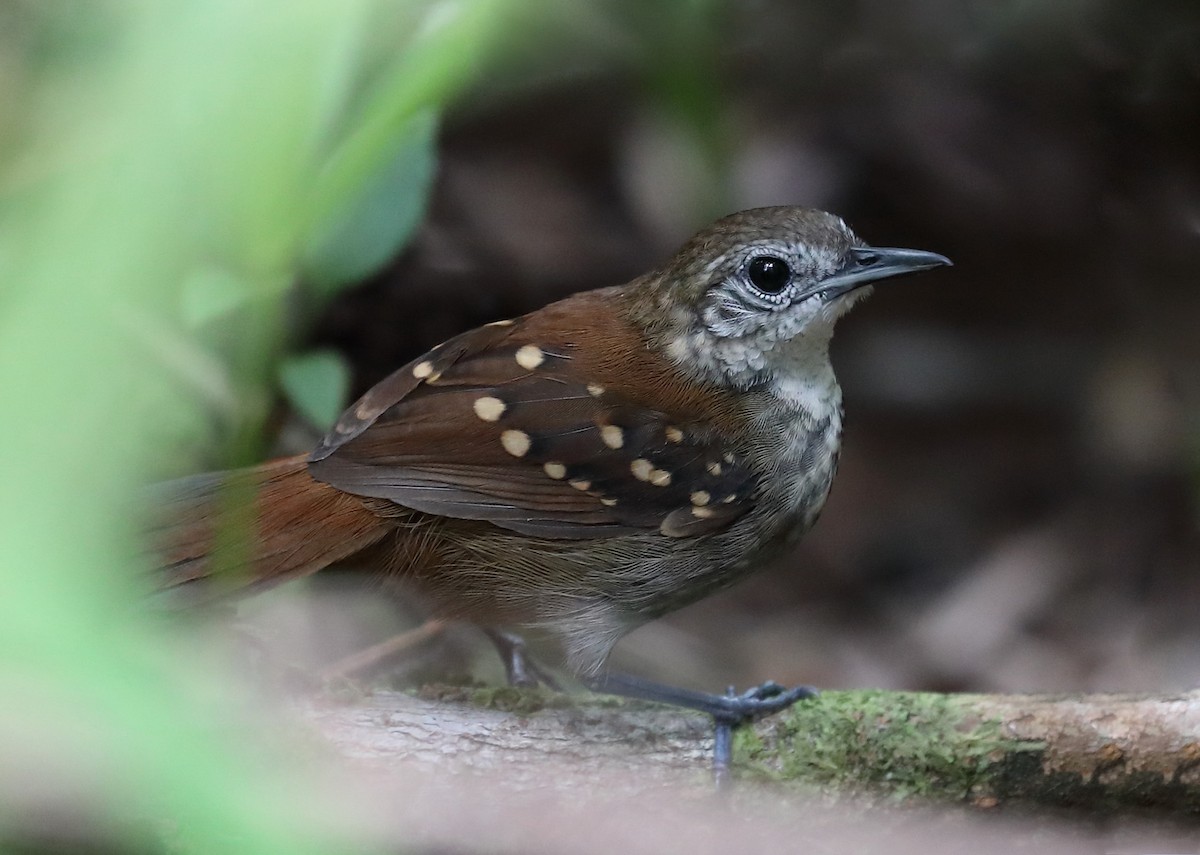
<point x="762" y="700"/>
<point x="741" y="709"/>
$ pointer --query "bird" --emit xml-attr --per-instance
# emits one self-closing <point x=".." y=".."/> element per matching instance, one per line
<point x="581" y="469"/>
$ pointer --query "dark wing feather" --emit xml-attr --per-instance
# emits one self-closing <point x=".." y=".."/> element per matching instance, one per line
<point x="496" y="426"/>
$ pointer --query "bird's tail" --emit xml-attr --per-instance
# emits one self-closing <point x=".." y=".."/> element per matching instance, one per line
<point x="228" y="533"/>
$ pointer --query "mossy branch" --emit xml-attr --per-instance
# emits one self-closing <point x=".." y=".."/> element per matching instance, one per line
<point x="1095" y="752"/>
<point x="1089" y="751"/>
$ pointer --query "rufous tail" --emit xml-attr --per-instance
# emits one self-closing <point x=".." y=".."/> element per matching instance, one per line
<point x="229" y="533"/>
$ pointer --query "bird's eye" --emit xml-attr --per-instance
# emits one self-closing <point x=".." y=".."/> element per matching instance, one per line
<point x="769" y="274"/>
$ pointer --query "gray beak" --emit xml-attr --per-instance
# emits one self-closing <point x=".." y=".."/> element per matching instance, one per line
<point x="868" y="264"/>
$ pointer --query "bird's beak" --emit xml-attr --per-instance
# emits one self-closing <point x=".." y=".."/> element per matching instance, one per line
<point x="868" y="264"/>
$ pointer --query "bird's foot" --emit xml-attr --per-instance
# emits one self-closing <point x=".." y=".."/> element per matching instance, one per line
<point x="770" y="697"/>
<point x="728" y="711"/>
<point x="742" y="709"/>
<point x="521" y="669"/>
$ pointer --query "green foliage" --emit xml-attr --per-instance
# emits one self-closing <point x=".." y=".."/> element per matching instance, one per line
<point x="316" y="384"/>
<point x="352" y="245"/>
<point x="164" y="174"/>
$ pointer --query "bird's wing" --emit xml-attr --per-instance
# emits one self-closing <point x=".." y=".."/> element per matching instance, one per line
<point x="503" y="425"/>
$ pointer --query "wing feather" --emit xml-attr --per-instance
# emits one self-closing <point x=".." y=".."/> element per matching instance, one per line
<point x="496" y="425"/>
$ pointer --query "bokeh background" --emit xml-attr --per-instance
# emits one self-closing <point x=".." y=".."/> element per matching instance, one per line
<point x="1016" y="508"/>
<point x="219" y="221"/>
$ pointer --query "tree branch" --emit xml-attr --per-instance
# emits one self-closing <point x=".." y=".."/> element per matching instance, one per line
<point x="1088" y="751"/>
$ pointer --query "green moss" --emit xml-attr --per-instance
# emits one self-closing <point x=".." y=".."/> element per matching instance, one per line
<point x="900" y="743"/>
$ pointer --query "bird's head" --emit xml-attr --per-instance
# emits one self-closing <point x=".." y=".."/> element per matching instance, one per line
<point x="756" y="295"/>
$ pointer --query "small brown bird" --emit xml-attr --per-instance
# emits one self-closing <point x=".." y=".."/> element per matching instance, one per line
<point x="589" y="466"/>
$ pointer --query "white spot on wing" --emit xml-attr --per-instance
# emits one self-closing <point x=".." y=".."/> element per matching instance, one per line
<point x="530" y="357"/>
<point x="489" y="409"/>
<point x="515" y="442"/>
<point x="422" y="369"/>
<point x="612" y="436"/>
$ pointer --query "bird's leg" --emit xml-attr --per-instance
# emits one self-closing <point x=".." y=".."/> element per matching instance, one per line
<point x="732" y="709"/>
<point x="723" y="749"/>
<point x="729" y="711"/>
<point x="371" y="657"/>
<point x="519" y="666"/>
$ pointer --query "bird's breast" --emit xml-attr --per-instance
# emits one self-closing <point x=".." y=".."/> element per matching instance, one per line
<point x="796" y="429"/>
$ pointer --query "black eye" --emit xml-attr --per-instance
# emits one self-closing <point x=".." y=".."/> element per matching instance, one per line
<point x="769" y="274"/>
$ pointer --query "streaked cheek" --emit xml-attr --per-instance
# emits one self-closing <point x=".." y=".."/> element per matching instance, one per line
<point x="728" y="317"/>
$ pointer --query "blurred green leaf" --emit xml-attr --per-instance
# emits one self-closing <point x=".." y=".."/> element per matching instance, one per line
<point x="447" y="43"/>
<point x="317" y="384"/>
<point x="208" y="293"/>
<point x="374" y="227"/>
<point x="162" y="172"/>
